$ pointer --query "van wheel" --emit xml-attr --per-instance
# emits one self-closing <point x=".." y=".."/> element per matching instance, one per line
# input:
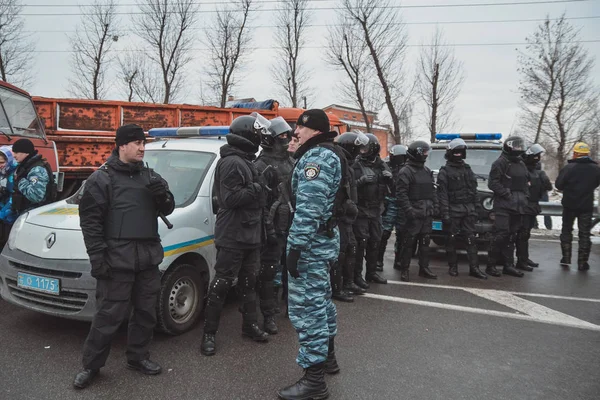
<point x="181" y="299"/>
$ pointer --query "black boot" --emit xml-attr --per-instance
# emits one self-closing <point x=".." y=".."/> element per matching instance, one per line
<point x="342" y="295"/>
<point x="476" y="272"/>
<point x="425" y="272"/>
<point x="565" y="248"/>
<point x="255" y="333"/>
<point x="360" y="282"/>
<point x="379" y="266"/>
<point x="453" y="270"/>
<point x="352" y="288"/>
<point x="474" y="259"/>
<point x="404" y="276"/>
<point x="146" y="367"/>
<point x="84" y="378"/>
<point x="583" y="266"/>
<point x="208" y="344"/>
<point x="492" y="271"/>
<point x="331" y="365"/>
<point x="311" y="386"/>
<point x="512" y="271"/>
<point x="270" y="326"/>
<point x="375" y="278"/>
<point x="523" y="266"/>
<point x="532" y="264"/>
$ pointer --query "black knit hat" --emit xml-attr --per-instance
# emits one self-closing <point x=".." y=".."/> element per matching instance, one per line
<point x="314" y="119"/>
<point x="23" y="146"/>
<point x="129" y="133"/>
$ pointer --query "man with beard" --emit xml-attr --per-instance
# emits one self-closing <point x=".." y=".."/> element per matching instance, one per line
<point x="457" y="192"/>
<point x="392" y="218"/>
<point x="373" y="179"/>
<point x="275" y="164"/>
<point x="238" y="228"/>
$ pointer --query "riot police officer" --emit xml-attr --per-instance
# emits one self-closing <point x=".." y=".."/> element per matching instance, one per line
<point x="509" y="180"/>
<point x="578" y="180"/>
<point x="238" y="228"/>
<point x="275" y="164"/>
<point x="373" y="179"/>
<point x="457" y="193"/>
<point x="392" y="218"/>
<point x="118" y="216"/>
<point x="351" y="143"/>
<point x="416" y="195"/>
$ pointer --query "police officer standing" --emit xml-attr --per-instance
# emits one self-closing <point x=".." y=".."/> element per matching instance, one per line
<point x="275" y="164"/>
<point x="416" y="195"/>
<point x="118" y="215"/>
<point x="457" y="192"/>
<point x="33" y="178"/>
<point x="578" y="180"/>
<point x="313" y="246"/>
<point x="238" y="228"/>
<point x="538" y="185"/>
<point x="509" y="180"/>
<point x="373" y="180"/>
<point x="392" y="218"/>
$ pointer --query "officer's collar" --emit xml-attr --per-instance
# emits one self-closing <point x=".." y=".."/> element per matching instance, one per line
<point x="314" y="141"/>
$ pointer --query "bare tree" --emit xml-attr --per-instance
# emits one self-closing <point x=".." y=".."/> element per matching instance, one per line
<point x="557" y="93"/>
<point x="91" y="46"/>
<point x="165" y="27"/>
<point x="385" y="37"/>
<point x="290" y="35"/>
<point x="440" y="77"/>
<point x="16" y="50"/>
<point x="228" y="41"/>
<point x="138" y="81"/>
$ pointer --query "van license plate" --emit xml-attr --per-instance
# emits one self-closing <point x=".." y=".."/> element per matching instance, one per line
<point x="38" y="283"/>
<point x="437" y="225"/>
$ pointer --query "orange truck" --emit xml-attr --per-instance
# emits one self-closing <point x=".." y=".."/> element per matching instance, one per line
<point x="84" y="130"/>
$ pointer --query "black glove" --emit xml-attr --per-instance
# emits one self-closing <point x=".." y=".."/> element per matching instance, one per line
<point x="100" y="270"/>
<point x="291" y="262"/>
<point x="272" y="238"/>
<point x="387" y="174"/>
<point x="158" y="189"/>
<point x="446" y="223"/>
<point x="363" y="180"/>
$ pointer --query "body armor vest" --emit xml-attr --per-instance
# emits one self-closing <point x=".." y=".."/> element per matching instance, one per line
<point x="422" y="187"/>
<point x="459" y="185"/>
<point x="518" y="178"/>
<point x="535" y="190"/>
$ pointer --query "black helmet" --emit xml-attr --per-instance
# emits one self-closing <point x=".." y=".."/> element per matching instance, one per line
<point x="418" y="151"/>
<point x="533" y="155"/>
<point x="372" y="149"/>
<point x="278" y="128"/>
<point x="456" y="150"/>
<point x="251" y="127"/>
<point x="514" y="146"/>
<point x="398" y="155"/>
<point x="352" y="142"/>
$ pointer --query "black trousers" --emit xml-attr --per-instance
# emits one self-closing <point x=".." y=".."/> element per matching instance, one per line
<point x="506" y="231"/>
<point x="270" y="265"/>
<point x="368" y="233"/>
<point x="416" y="229"/>
<point x="465" y="227"/>
<point x="343" y="269"/>
<point x="126" y="293"/>
<point x="242" y="263"/>
<point x="584" y="224"/>
<point x="523" y="236"/>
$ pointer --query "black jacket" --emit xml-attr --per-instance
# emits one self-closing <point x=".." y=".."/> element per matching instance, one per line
<point x="240" y="196"/>
<point x="349" y="210"/>
<point x="540" y="183"/>
<point x="457" y="190"/>
<point x="415" y="191"/>
<point x="578" y="180"/>
<point x="371" y="195"/>
<point x="509" y="180"/>
<point x="94" y="212"/>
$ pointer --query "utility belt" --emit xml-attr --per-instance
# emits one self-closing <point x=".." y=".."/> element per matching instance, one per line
<point x="328" y="228"/>
<point x="369" y="203"/>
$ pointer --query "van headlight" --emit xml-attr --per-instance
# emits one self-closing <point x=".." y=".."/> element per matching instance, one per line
<point x="488" y="203"/>
<point x="14" y="232"/>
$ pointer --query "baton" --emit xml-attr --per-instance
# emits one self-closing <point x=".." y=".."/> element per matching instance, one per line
<point x="160" y="213"/>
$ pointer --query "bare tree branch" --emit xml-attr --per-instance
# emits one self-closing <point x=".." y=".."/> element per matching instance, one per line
<point x="164" y="25"/>
<point x="16" y="50"/>
<point x="440" y="77"/>
<point x="139" y="82"/>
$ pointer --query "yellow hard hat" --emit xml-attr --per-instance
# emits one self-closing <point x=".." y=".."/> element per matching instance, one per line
<point x="581" y="148"/>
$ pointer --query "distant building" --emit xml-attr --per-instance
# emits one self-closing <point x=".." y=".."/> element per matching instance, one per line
<point x="355" y="121"/>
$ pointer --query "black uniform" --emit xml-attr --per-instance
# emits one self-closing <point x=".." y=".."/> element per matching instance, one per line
<point x="457" y="193"/>
<point x="417" y="198"/>
<point x="509" y="180"/>
<point x="578" y="180"/>
<point x="118" y="216"/>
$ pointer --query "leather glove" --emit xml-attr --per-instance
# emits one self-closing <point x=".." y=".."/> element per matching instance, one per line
<point x="363" y="180"/>
<point x="100" y="270"/>
<point x="387" y="174"/>
<point x="158" y="189"/>
<point x="291" y="262"/>
<point x="272" y="238"/>
<point x="258" y="188"/>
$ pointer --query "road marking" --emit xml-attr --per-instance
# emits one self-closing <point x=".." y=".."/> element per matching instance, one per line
<point x="548" y="296"/>
<point x="568" y="322"/>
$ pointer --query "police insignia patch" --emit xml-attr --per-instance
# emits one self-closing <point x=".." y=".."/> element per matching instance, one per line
<point x="305" y="118"/>
<point x="311" y="171"/>
<point x="34" y="179"/>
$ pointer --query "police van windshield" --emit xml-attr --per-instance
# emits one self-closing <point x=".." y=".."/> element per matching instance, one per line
<point x="184" y="171"/>
<point x="18" y="115"/>
<point x="480" y="160"/>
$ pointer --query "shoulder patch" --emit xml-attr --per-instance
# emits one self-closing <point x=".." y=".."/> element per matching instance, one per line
<point x="33" y="179"/>
<point x="311" y="170"/>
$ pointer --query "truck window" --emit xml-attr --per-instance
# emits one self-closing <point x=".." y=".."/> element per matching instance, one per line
<point x="19" y="116"/>
<point x="480" y="160"/>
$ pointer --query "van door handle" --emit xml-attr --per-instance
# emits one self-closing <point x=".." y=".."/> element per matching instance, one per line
<point x="206" y="221"/>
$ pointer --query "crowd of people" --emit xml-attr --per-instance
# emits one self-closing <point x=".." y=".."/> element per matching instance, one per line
<point x="303" y="218"/>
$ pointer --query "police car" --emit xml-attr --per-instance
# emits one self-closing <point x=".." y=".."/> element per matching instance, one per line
<point x="44" y="266"/>
<point x="482" y="150"/>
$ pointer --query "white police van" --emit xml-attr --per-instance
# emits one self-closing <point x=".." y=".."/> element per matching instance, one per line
<point x="44" y="266"/>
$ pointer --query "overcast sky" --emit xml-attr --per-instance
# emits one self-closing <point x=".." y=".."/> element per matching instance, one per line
<point x="487" y="103"/>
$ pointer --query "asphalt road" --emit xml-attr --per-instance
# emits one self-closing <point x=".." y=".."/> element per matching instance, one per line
<point x="532" y="338"/>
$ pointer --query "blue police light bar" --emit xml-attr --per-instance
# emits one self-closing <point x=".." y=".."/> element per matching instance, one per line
<point x="189" y="131"/>
<point x="468" y="136"/>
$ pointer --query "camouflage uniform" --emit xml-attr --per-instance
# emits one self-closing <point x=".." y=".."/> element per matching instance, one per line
<point x="315" y="179"/>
